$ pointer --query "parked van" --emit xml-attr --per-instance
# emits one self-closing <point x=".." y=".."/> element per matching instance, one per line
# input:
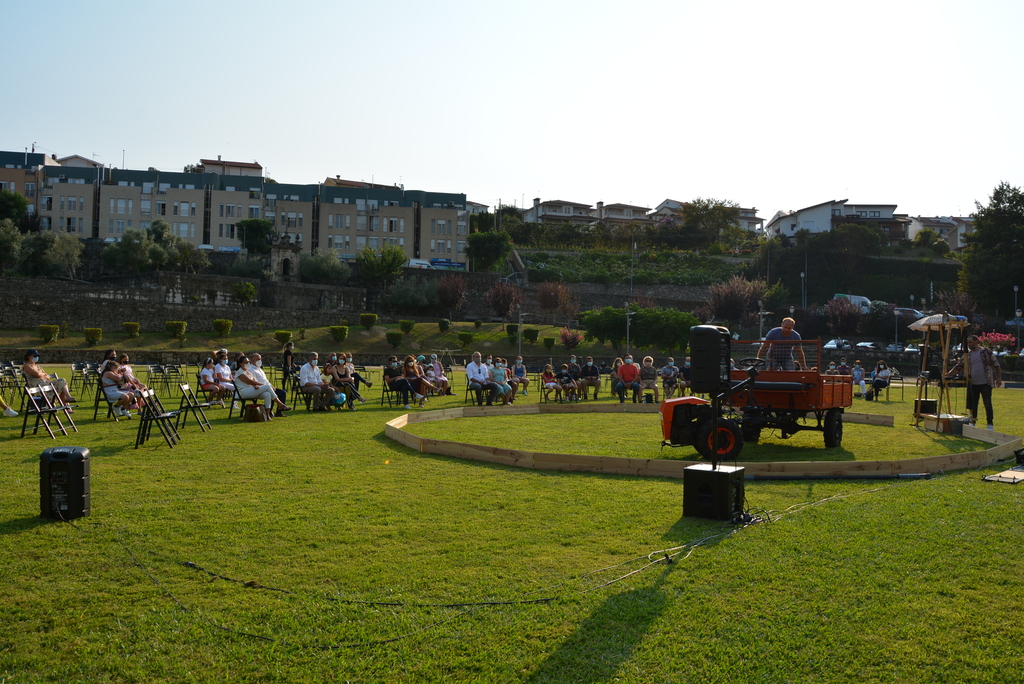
<point x="863" y="302"/>
<point x="418" y="263"/>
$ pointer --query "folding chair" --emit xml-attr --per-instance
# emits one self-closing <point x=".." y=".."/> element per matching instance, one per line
<point x="190" y="404"/>
<point x="37" y="403"/>
<point x="387" y="393"/>
<point x="235" y="398"/>
<point x="153" y="413"/>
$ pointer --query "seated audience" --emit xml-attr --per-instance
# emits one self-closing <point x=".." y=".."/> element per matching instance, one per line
<point x="249" y="386"/>
<point x="649" y="378"/>
<point x="394" y="375"/>
<point x="500" y="378"/>
<point x="670" y="378"/>
<point x="440" y="379"/>
<point x="629" y="378"/>
<point x="311" y="383"/>
<point x="478" y="376"/>
<point x="35" y="376"/>
<point x="257" y="372"/>
<point x="522" y="380"/>
<point x="115" y="389"/>
<point x="549" y="382"/>
<point x="590" y="376"/>
<point x="566" y="382"/>
<point x="208" y="381"/>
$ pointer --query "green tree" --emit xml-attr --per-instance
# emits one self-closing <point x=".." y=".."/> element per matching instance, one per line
<point x="487" y="250"/>
<point x="191" y="168"/>
<point x="383" y="267"/>
<point x="129" y="254"/>
<point x="991" y="259"/>
<point x="926" y="237"/>
<point x="451" y="292"/>
<point x="323" y="269"/>
<point x="10" y="244"/>
<point x="246" y="267"/>
<point x="412" y="295"/>
<point x="13" y="206"/>
<point x="503" y="298"/>
<point x="50" y="254"/>
<point x="706" y="220"/>
<point x="256" y="235"/>
<point x="191" y="258"/>
<point x="66" y="254"/>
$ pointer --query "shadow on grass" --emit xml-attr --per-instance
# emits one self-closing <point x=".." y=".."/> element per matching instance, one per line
<point x="94" y="451"/>
<point x="605" y="640"/>
<point x="24" y="524"/>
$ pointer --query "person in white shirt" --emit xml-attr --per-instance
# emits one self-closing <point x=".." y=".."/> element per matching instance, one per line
<point x="310" y="383"/>
<point x="251" y="388"/>
<point x="479" y="377"/>
<point x="258" y="373"/>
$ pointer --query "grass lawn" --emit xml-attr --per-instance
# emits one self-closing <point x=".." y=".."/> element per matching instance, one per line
<point x="878" y="581"/>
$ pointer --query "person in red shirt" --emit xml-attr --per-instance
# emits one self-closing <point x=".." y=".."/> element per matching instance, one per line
<point x="629" y="376"/>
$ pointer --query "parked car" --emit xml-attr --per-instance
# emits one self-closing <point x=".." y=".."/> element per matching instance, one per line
<point x="869" y="345"/>
<point x="912" y="349"/>
<point x="910" y="313"/>
<point x="838" y="343"/>
<point x="894" y="347"/>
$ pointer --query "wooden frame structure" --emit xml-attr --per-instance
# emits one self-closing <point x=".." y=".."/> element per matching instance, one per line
<point x="943" y="325"/>
<point x="1004" y="446"/>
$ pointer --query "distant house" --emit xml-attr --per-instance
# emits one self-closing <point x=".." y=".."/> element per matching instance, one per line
<point x="670" y="208"/>
<point x="820" y="218"/>
<point x="230" y="168"/>
<point x="950" y="228"/>
<point x="557" y="211"/>
<point x="621" y="214"/>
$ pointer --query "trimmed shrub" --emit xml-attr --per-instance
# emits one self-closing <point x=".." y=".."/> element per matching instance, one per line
<point x="394" y="337"/>
<point x="549" y="342"/>
<point x="570" y="338"/>
<point x="302" y="333"/>
<point x="406" y="326"/>
<point x="466" y="338"/>
<point x="512" y="329"/>
<point x="1011" y="361"/>
<point x="131" y="329"/>
<point x="222" y="326"/>
<point x="49" y="332"/>
<point x="478" y="323"/>
<point x="283" y="336"/>
<point x="368" y="320"/>
<point x="93" y="336"/>
<point x="176" y="329"/>
<point x="339" y="332"/>
<point x="343" y="321"/>
<point x="444" y="324"/>
<point x="64" y="330"/>
<point x="531" y="334"/>
<point x="244" y="292"/>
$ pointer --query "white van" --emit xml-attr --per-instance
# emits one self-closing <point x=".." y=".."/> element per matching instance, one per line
<point x="418" y="263"/>
<point x="863" y="302"/>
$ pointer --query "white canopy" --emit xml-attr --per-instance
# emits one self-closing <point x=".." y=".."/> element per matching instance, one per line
<point x="939" y="322"/>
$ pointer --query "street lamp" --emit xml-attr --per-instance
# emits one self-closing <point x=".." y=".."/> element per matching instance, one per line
<point x="628" y="314"/>
<point x="911" y="301"/>
<point x="1015" y="288"/>
<point x="803" y="290"/>
<point x="760" y="319"/>
<point x="1018" y="329"/>
<point x="519" y="308"/>
<point x="896" y="327"/>
<point x="792" y="309"/>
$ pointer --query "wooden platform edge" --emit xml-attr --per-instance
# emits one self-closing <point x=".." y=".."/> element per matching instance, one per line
<point x="1004" y="446"/>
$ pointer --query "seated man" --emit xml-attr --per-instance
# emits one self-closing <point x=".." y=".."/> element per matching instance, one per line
<point x="669" y="378"/>
<point x="478" y="376"/>
<point x="311" y="383"/>
<point x="257" y="372"/>
<point x="782" y="356"/>
<point x="629" y="377"/>
<point x="649" y="378"/>
<point x="574" y="373"/>
<point x="590" y="376"/>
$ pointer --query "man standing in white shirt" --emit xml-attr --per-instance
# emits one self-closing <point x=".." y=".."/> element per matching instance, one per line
<point x="310" y="383"/>
<point x="479" y="377"/>
<point x="256" y="370"/>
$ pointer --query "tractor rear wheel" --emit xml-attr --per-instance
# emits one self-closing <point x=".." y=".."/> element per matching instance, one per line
<point x="730" y="440"/>
<point x="833" y="428"/>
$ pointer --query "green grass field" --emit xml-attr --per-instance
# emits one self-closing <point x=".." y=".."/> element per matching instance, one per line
<point x="866" y="581"/>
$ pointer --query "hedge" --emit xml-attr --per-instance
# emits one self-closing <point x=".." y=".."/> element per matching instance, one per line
<point x="93" y="336"/>
<point x="176" y="329"/>
<point x="406" y="326"/>
<point x="283" y="336"/>
<point x="49" y="332"/>
<point x="222" y="326"/>
<point x="339" y="332"/>
<point x="131" y="329"/>
<point x="394" y="338"/>
<point x="368" y="320"/>
<point x="444" y="324"/>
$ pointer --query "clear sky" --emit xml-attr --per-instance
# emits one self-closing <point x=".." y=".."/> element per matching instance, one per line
<point x="777" y="105"/>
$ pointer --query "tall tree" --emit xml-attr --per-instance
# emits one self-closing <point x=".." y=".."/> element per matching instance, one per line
<point x="503" y="298"/>
<point x="13" y="206"/>
<point x="256" y="235"/>
<point x="382" y="268"/>
<point x="66" y="254"/>
<point x="991" y="259"/>
<point x="705" y="220"/>
<point x="487" y="250"/>
<point x="451" y="292"/>
<point x="10" y="244"/>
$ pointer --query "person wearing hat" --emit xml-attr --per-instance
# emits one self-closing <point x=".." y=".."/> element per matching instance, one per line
<point x="36" y="376"/>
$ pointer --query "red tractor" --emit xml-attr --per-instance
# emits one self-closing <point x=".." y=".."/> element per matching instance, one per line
<point x="759" y="398"/>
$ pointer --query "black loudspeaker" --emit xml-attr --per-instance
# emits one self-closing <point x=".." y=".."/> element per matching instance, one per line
<point x="64" y="483"/>
<point x="713" y="493"/>
<point x="929" y="406"/>
<point x="710" y="360"/>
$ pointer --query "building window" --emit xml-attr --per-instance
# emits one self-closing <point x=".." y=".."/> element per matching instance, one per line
<point x="230" y="211"/>
<point x="161" y="208"/>
<point x="373" y="243"/>
<point x="47" y="203"/>
<point x="460" y="247"/>
<point x="30" y="189"/>
<point x="361" y="222"/>
<point x="433" y="229"/>
<point x="254" y="211"/>
<point x="163" y="188"/>
<point x="875" y="214"/>
<point x="360" y="242"/>
<point x="174" y="209"/>
<point x="144" y="225"/>
<point x="62" y="203"/>
<point x="70" y="225"/>
<point x="433" y="245"/>
<point x="120" y="226"/>
<point x="72" y="204"/>
<point x="330" y="242"/>
<point x="146" y="207"/>
<point x="460" y="228"/>
<point x="862" y="214"/>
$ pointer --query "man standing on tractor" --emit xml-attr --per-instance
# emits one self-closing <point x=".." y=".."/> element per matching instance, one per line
<point x="782" y="355"/>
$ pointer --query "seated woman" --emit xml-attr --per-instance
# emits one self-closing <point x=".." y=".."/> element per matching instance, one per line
<point x="126" y="371"/>
<point x="417" y="380"/>
<point x="342" y="380"/>
<point x="397" y="382"/>
<point x="352" y="371"/>
<point x="442" y="382"/>
<point x="35" y="376"/>
<point x="208" y="381"/>
<point x="649" y="378"/>
<point x="499" y="376"/>
<point x="249" y="387"/>
<point x="880" y="377"/>
<point x="613" y="378"/>
<point x="549" y="383"/>
<point x="519" y="370"/>
<point x="117" y="392"/>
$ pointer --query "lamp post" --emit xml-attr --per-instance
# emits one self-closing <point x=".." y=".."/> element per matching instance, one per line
<point x="1015" y="288"/>
<point x="760" y="319"/>
<point x="792" y="309"/>
<point x="628" y="314"/>
<point x="1018" y="330"/>
<point x="911" y="301"/>
<point x="803" y="290"/>
<point x="519" y="308"/>
<point x="896" y="327"/>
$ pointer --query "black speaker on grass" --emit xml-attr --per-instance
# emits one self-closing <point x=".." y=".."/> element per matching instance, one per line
<point x="64" y="483"/>
<point x="713" y="493"/>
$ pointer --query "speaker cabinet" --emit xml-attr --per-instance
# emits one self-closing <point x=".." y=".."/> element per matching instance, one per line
<point x="64" y="483"/>
<point x="712" y="493"/>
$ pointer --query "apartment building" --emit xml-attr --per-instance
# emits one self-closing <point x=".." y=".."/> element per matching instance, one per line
<point x="819" y="218"/>
<point x="952" y="229"/>
<point x="21" y="172"/>
<point x="67" y="200"/>
<point x="558" y="211"/>
<point x="621" y="214"/>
